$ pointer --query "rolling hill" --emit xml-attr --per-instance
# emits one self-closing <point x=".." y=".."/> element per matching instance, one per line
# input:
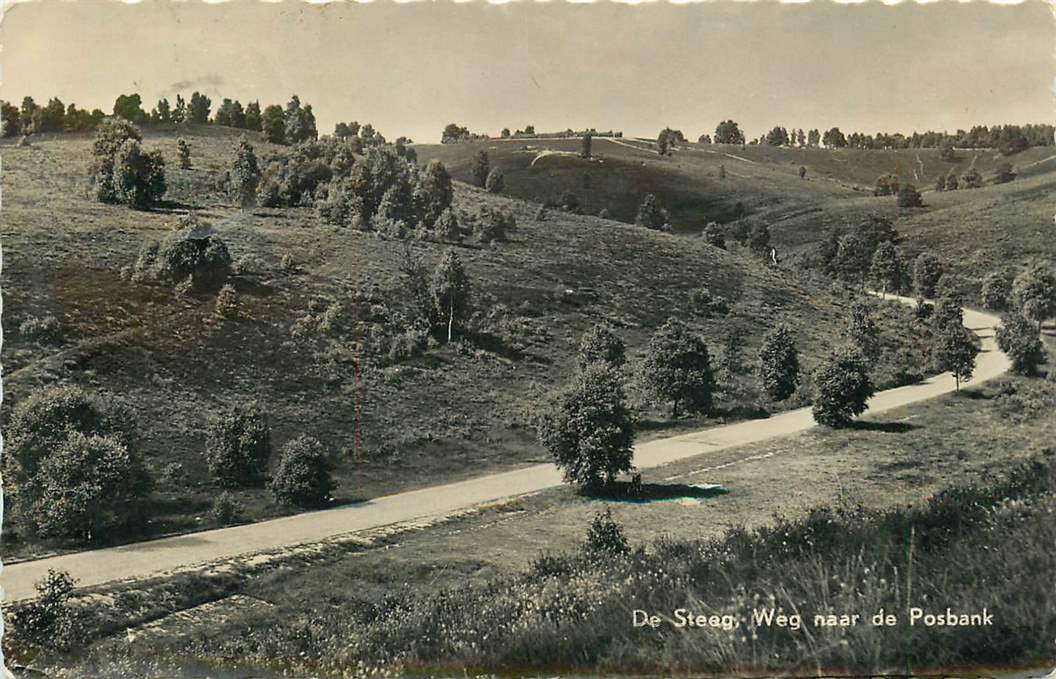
<point x="454" y="411"/>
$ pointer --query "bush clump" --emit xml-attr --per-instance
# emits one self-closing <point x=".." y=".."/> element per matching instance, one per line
<point x="303" y="477"/>
<point x="238" y="446"/>
<point x="49" y="621"/>
<point x="73" y="474"/>
<point x="45" y="329"/>
<point x="192" y="250"/>
<point x="605" y="536"/>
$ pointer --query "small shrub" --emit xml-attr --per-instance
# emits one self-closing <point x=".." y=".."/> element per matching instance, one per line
<point x="49" y="621"/>
<point x="605" y="536"/>
<point x="226" y="510"/>
<point x="286" y="264"/>
<point x="908" y="196"/>
<point x="226" y="301"/>
<point x="707" y="304"/>
<point x="45" y="330"/>
<point x="183" y="153"/>
<point x="303" y="475"/>
<point x="1021" y="340"/>
<point x="138" y="176"/>
<point x="496" y="181"/>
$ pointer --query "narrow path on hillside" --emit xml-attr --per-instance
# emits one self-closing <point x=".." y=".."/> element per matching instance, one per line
<point x="143" y="559"/>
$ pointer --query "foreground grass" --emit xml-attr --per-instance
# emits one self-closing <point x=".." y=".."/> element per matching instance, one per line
<point x="466" y="595"/>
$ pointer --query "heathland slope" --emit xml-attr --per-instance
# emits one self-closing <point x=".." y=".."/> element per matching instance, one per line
<point x="448" y="412"/>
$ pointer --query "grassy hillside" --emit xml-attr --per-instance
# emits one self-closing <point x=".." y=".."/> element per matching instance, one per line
<point x="838" y="184"/>
<point x="455" y="411"/>
<point x="974" y="230"/>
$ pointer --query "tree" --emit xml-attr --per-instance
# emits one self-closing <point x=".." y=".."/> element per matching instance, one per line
<point x="9" y="115"/>
<point x="299" y="122"/>
<point x="779" y="363"/>
<point x="908" y="196"/>
<point x="948" y="312"/>
<point x="972" y="179"/>
<point x="91" y="487"/>
<point x="254" y="120"/>
<point x="651" y="215"/>
<point x="677" y="368"/>
<point x="303" y="476"/>
<point x="245" y="174"/>
<point x="777" y="137"/>
<point x="728" y="132"/>
<point x="434" y="192"/>
<point x="110" y="136"/>
<point x="951" y="181"/>
<point x="274" y="124"/>
<point x="1004" y="173"/>
<point x="954" y="350"/>
<point x="996" y="291"/>
<point x="585" y="150"/>
<point x="505" y="134"/>
<point x="138" y="176"/>
<point x="450" y="292"/>
<point x="454" y="133"/>
<point x="53" y="116"/>
<point x="129" y="107"/>
<point x="1021" y="340"/>
<point x="926" y="272"/>
<point x="238" y="445"/>
<point x="843" y="388"/>
<point x="496" y="181"/>
<point x="1034" y="292"/>
<point x="852" y="259"/>
<point x="588" y="429"/>
<point x="481" y="168"/>
<point x="715" y="235"/>
<point x="600" y="345"/>
<point x="834" y="139"/>
<point x="759" y="238"/>
<point x="198" y="108"/>
<point x="802" y="172"/>
<point x="886" y="185"/>
<point x="183" y="153"/>
<point x="863" y="333"/>
<point x="813" y="138"/>
<point x="886" y="270"/>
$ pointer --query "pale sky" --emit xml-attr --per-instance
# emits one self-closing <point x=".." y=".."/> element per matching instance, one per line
<point x="411" y="68"/>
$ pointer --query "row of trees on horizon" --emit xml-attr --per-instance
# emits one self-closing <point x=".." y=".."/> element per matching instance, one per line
<point x="273" y="122"/>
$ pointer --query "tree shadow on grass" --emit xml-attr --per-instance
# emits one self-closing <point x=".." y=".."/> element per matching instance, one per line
<point x="620" y="491"/>
<point x="886" y="427"/>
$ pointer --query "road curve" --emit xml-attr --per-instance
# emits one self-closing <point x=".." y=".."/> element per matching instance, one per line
<point x="143" y="559"/>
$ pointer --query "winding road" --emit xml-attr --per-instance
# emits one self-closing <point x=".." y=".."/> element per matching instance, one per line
<point x="152" y="557"/>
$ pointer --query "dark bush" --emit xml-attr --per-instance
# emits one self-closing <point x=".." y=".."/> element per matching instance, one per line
<point x="303" y="475"/>
<point x="238" y="446"/>
<point x="50" y="621"/>
<point x="605" y="536"/>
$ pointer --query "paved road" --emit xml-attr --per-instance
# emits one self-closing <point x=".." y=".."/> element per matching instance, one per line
<point x="145" y="558"/>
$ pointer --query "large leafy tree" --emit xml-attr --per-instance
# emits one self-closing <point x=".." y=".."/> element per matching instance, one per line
<point x="843" y="388"/>
<point x="588" y="429"/>
<point x="954" y="349"/>
<point x="927" y="269"/>
<point x="728" y="132"/>
<point x="1034" y="292"/>
<point x="886" y="271"/>
<point x="779" y="363"/>
<point x="677" y="368"/>
<point x="1020" y="339"/>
